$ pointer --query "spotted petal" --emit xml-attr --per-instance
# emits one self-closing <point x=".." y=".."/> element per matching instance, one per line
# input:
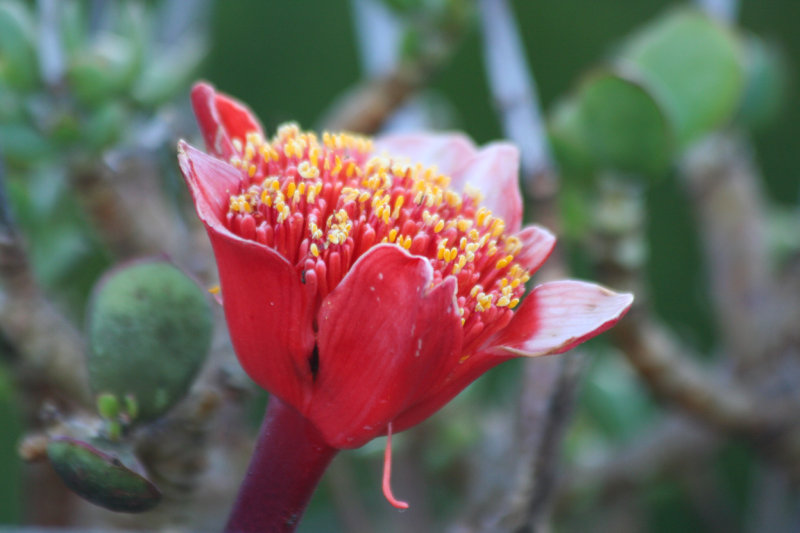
<point x="385" y="337"/>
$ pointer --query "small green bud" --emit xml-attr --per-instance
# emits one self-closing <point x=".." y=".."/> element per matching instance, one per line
<point x="131" y="406"/>
<point x="108" y="406"/>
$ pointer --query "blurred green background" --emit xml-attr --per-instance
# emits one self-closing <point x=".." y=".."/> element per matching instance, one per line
<point x="291" y="60"/>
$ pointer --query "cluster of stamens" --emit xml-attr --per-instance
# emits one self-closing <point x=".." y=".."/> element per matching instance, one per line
<point x="322" y="205"/>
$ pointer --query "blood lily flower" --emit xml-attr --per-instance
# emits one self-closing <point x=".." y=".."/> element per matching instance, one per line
<point x="367" y="282"/>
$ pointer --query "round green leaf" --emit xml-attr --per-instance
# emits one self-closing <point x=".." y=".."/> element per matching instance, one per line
<point x="149" y="329"/>
<point x="622" y="125"/>
<point x="694" y="67"/>
<point x="565" y="132"/>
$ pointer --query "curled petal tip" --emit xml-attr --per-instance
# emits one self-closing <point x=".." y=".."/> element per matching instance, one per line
<point x="559" y="315"/>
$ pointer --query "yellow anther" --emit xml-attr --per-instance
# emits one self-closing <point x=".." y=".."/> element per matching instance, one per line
<point x="504" y="262"/>
<point x="214" y="289"/>
<point x="236" y="161"/>
<point x="290" y="188"/>
<point x="308" y="170"/>
<point x="439" y="226"/>
<point x="464" y="224"/>
<point x="251" y="170"/>
<point x="337" y="166"/>
<point x="237" y="144"/>
<point x="398" y="204"/>
<point x="503" y="301"/>
<point x="482" y="215"/>
<point x="513" y="303"/>
<point x="314" y="250"/>
<point x="393" y="234"/>
<point x="497" y="228"/>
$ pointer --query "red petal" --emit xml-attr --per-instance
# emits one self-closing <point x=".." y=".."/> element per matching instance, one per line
<point x="537" y="245"/>
<point x="494" y="171"/>
<point x="461" y="374"/>
<point x="558" y="315"/>
<point x="385" y="337"/>
<point x="447" y="151"/>
<point x="267" y="309"/>
<point x="221" y="119"/>
<point x="211" y="182"/>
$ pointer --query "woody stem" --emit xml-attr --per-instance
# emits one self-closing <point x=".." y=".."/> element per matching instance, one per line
<point x="287" y="464"/>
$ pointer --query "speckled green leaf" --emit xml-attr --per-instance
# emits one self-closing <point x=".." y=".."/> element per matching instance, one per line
<point x="149" y="329"/>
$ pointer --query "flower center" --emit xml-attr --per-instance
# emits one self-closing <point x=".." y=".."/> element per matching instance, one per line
<point x="321" y="205"/>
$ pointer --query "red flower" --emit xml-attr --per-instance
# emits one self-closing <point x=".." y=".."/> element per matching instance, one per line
<point x="363" y="286"/>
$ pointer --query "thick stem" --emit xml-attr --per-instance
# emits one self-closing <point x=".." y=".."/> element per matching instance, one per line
<point x="287" y="464"/>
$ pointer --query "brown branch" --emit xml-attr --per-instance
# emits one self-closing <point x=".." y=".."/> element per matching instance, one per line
<point x="661" y="363"/>
<point x="128" y="209"/>
<point x="48" y="349"/>
<point x="730" y="205"/>
<point x="767" y="422"/>
<point x="550" y="384"/>
<point x="365" y="108"/>
<point x="665" y="448"/>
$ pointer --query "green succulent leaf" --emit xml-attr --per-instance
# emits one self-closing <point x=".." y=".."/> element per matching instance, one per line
<point x="694" y="67"/>
<point x="168" y="73"/>
<point x="612" y="123"/>
<point x="149" y="329"/>
<point x="102" y="477"/>
<point x="18" y="59"/>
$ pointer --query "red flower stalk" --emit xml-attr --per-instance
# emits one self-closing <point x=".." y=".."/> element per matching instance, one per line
<point x="366" y="283"/>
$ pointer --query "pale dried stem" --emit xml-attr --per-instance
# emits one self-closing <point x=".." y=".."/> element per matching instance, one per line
<point x="128" y="208"/>
<point x="365" y="108"/>
<point x="549" y="385"/>
<point x="48" y="348"/>
<point x="723" y="403"/>
<point x="731" y="215"/>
